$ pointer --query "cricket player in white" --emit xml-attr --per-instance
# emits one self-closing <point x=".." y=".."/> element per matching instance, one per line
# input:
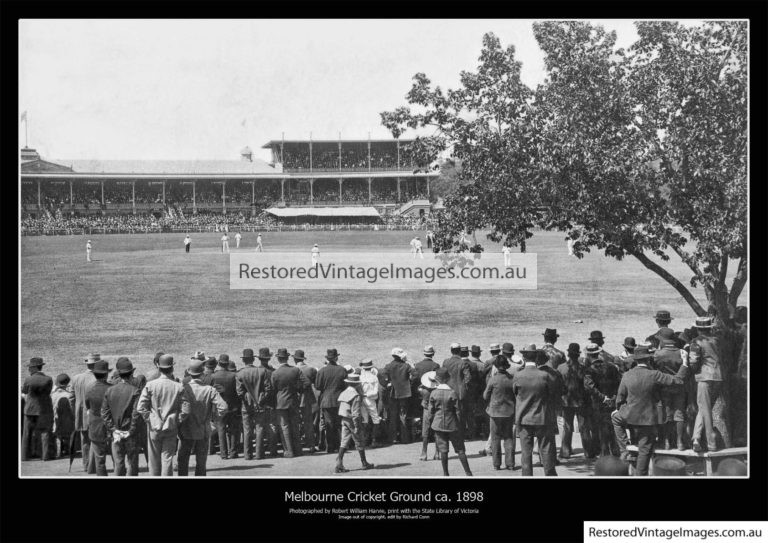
<point x="315" y="255"/>
<point x="187" y="242"/>
<point x="413" y="247"/>
<point x="88" y="251"/>
<point x="238" y="237"/>
<point x="417" y="248"/>
<point x="225" y="243"/>
<point x="259" y="247"/>
<point x="507" y="256"/>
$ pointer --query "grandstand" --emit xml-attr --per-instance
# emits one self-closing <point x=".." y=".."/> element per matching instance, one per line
<point x="348" y="181"/>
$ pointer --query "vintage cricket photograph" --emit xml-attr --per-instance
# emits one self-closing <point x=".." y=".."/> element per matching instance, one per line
<point x="358" y="248"/>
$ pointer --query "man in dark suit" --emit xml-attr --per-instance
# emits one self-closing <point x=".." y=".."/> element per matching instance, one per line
<point x="556" y="402"/>
<point x="667" y="359"/>
<point x="122" y="420"/>
<point x="461" y="377"/>
<point x="254" y="387"/>
<point x="289" y="383"/>
<point x="97" y="430"/>
<point x="663" y="320"/>
<point x="330" y="383"/>
<point x="638" y="394"/>
<point x="487" y="373"/>
<point x="227" y="427"/>
<point x="421" y="368"/>
<point x="534" y="390"/>
<point x="307" y="400"/>
<point x="555" y="356"/>
<point x="78" y="386"/>
<point x="576" y="403"/>
<point x="398" y="374"/>
<point x="501" y="409"/>
<point x="38" y="409"/>
<point x="601" y="381"/>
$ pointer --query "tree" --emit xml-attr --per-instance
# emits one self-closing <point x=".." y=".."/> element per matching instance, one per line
<point x="639" y="152"/>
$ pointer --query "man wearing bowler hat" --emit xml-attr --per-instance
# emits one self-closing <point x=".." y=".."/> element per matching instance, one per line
<point x="624" y="361"/>
<point x="555" y="356"/>
<point x="515" y="361"/>
<point x="663" y="320"/>
<point x="289" y="383"/>
<point x="475" y="404"/>
<point x="154" y="373"/>
<point x="501" y="409"/>
<point x="227" y="426"/>
<point x="38" y="409"/>
<point x="638" y="393"/>
<point x="97" y="429"/>
<point x="122" y="420"/>
<point x="398" y="374"/>
<point x="307" y="401"/>
<point x="204" y="406"/>
<point x="576" y="404"/>
<point x="534" y="392"/>
<point x="163" y="408"/>
<point x="330" y="383"/>
<point x="706" y="363"/>
<point x="254" y="387"/>
<point x="79" y="385"/>
<point x="601" y="381"/>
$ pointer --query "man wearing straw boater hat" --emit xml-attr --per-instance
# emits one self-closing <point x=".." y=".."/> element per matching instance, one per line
<point x="97" y="429"/>
<point x="424" y="389"/>
<point x="636" y="401"/>
<point x="428" y="383"/>
<point x="122" y="420"/>
<point x="398" y="374"/>
<point x="79" y="385"/>
<point x="307" y="401"/>
<point x="160" y="405"/>
<point x="534" y="391"/>
<point x="38" y="409"/>
<point x="706" y="365"/>
<point x="369" y="379"/>
<point x="601" y="381"/>
<point x="353" y="418"/>
<point x="330" y="383"/>
<point x="289" y="383"/>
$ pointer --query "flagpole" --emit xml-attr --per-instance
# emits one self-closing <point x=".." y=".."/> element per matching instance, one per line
<point x="26" y="130"/>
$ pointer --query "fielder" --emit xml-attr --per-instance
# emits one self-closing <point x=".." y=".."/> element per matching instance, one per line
<point x="88" y="251"/>
<point x="238" y="237"/>
<point x="315" y="255"/>
<point x="507" y="256"/>
<point x="417" y="248"/>
<point x="225" y="243"/>
<point x="259" y="246"/>
<point x="187" y="243"/>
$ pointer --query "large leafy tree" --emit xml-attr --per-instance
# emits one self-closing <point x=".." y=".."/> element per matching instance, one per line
<point x="637" y="153"/>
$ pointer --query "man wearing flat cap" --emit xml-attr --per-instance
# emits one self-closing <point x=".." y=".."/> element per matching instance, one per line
<point x="254" y="387"/>
<point x="534" y="393"/>
<point x="204" y="405"/>
<point x="636" y="400"/>
<point x="122" y="420"/>
<point x="79" y="385"/>
<point x="38" y="409"/>
<point x="601" y="381"/>
<point x="162" y="406"/>
<point x="399" y="376"/>
<point x="461" y="377"/>
<point x="307" y="401"/>
<point x="289" y="383"/>
<point x="330" y="383"/>
<point x="97" y="429"/>
<point x="227" y="426"/>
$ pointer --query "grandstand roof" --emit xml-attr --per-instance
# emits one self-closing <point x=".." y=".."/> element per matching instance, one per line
<point x="170" y="167"/>
<point x="323" y="211"/>
<point x="270" y="143"/>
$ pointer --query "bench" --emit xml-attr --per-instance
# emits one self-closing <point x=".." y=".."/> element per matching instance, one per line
<point x="687" y="454"/>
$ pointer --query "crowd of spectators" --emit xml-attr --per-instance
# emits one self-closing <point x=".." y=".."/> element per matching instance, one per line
<point x="353" y="156"/>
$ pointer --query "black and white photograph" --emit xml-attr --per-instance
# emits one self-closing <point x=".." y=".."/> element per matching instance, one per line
<point x="356" y="248"/>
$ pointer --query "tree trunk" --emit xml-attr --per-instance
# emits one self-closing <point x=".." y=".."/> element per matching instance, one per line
<point x="672" y="280"/>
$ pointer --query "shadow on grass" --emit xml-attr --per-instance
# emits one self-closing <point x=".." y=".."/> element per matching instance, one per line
<point x="240" y="467"/>
<point x="389" y="466"/>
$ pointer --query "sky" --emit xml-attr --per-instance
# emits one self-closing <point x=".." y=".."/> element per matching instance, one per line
<point x="204" y="89"/>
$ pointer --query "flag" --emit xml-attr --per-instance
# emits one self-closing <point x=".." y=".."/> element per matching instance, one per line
<point x="24" y="116"/>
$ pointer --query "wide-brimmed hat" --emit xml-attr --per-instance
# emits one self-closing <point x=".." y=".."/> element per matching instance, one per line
<point x="366" y="363"/>
<point x="455" y="345"/>
<point x="199" y="355"/>
<point x="704" y="322"/>
<point x="551" y="332"/>
<point x="592" y="348"/>
<point x="331" y="353"/>
<point x="476" y="350"/>
<point x="166" y="361"/>
<point x="196" y="367"/>
<point x="629" y="343"/>
<point x="574" y="348"/>
<point x="642" y="353"/>
<point x="264" y="354"/>
<point x="494" y="347"/>
<point x="298" y="354"/>
<point x="596" y="335"/>
<point x="352" y="378"/>
<point x="101" y="367"/>
<point x="429" y="350"/>
<point x="398" y="352"/>
<point x="282" y="352"/>
<point x="349" y="369"/>
<point x="123" y="365"/>
<point x="507" y="348"/>
<point x="663" y="316"/>
<point x="36" y="362"/>
<point x="530" y="352"/>
<point x="247" y="353"/>
<point x="92" y="358"/>
<point x="428" y="380"/>
<point x="211" y="362"/>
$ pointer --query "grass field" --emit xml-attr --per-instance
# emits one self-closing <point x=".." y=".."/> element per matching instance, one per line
<point x="144" y="294"/>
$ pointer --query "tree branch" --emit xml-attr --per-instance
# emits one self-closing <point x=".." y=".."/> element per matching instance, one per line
<point x="669" y="278"/>
<point x="686" y="258"/>
<point x="738" y="282"/>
